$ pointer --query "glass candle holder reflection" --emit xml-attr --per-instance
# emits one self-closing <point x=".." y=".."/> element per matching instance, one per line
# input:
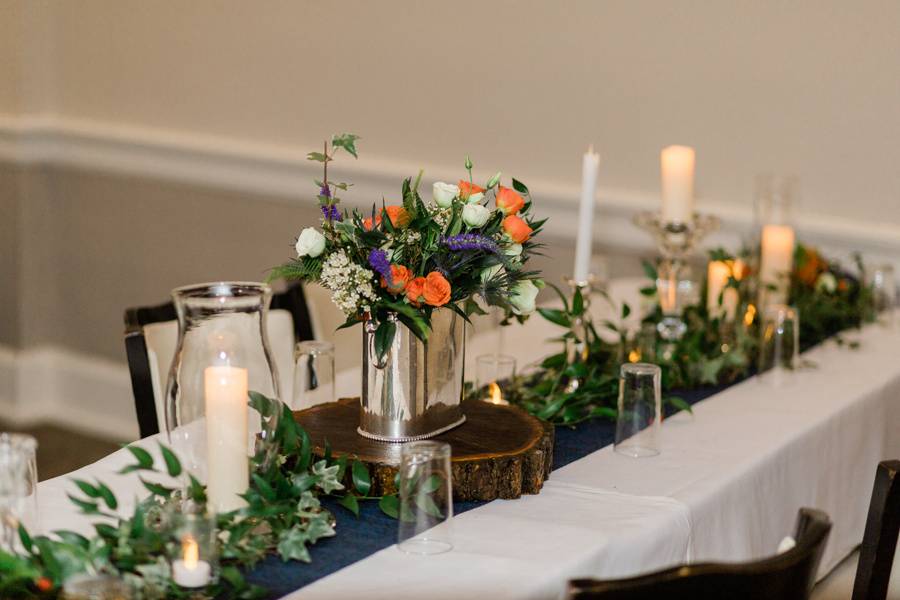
<point x="95" y="587"/>
<point x="194" y="560"/>
<point x="493" y="374"/>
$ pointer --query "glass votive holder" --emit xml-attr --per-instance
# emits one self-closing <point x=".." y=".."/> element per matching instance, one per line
<point x="883" y="288"/>
<point x="493" y="374"/>
<point x="194" y="557"/>
<point x="18" y="487"/>
<point x="779" y="346"/>
<point x="424" y="525"/>
<point x="639" y="410"/>
<point x="313" y="374"/>
<point x="95" y="587"/>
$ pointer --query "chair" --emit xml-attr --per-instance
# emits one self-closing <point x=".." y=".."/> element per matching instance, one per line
<point x="789" y="575"/>
<point x="151" y="334"/>
<point x="876" y="555"/>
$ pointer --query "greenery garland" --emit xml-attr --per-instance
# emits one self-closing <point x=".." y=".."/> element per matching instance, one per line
<point x="284" y="515"/>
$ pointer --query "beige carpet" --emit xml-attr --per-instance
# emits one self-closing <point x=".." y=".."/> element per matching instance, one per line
<point x="839" y="583"/>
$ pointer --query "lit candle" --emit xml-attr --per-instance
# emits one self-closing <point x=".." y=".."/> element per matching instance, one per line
<point x="776" y="260"/>
<point x="717" y="275"/>
<point x="189" y="571"/>
<point x="495" y="394"/>
<point x="226" y="436"/>
<point x="677" y="166"/>
<point x="585" y="240"/>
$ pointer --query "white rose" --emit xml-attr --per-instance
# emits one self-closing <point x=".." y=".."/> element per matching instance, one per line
<point x="826" y="282"/>
<point x="513" y="250"/>
<point x="491" y="272"/>
<point x="475" y="198"/>
<point x="310" y="243"/>
<point x="523" y="297"/>
<point x="444" y="193"/>
<point x="475" y="215"/>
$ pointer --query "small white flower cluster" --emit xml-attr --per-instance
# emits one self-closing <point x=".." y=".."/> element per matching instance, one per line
<point x="350" y="283"/>
<point x="440" y="215"/>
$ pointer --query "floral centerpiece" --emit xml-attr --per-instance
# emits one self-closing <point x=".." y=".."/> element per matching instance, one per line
<point x="405" y="265"/>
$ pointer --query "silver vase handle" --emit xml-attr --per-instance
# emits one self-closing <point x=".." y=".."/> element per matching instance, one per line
<point x="373" y="355"/>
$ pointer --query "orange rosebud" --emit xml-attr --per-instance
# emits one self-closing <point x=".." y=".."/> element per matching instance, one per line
<point x="398" y="216"/>
<point x="43" y="584"/>
<point x="509" y="201"/>
<point x="367" y="222"/>
<point x="516" y="228"/>
<point x="437" y="289"/>
<point x="414" y="290"/>
<point x="399" y="279"/>
<point x="466" y="189"/>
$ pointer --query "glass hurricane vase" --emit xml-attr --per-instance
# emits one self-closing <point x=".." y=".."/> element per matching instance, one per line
<point x="212" y="419"/>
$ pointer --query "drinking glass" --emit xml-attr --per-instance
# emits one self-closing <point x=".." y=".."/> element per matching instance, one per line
<point x="493" y="372"/>
<point x="313" y="374"/>
<point x="426" y="498"/>
<point x="640" y="410"/>
<point x="193" y="557"/>
<point x="884" y="292"/>
<point x="779" y="346"/>
<point x="18" y="487"/>
<point x="95" y="587"/>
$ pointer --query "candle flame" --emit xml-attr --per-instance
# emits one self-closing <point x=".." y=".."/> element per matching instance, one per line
<point x="496" y="394"/>
<point x="191" y="552"/>
<point x="749" y="315"/>
<point x="635" y="355"/>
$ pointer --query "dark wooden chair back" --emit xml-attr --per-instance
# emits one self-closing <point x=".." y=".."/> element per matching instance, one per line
<point x="786" y="576"/>
<point x="876" y="555"/>
<point x="293" y="300"/>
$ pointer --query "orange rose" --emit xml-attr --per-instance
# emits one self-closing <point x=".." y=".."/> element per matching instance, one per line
<point x="509" y="201"/>
<point x="437" y="289"/>
<point x="399" y="279"/>
<point x="414" y="290"/>
<point x="811" y="267"/>
<point x="516" y="228"/>
<point x="367" y="222"/>
<point x="466" y="189"/>
<point x="398" y="216"/>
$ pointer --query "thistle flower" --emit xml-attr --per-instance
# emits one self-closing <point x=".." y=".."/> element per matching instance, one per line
<point x="470" y="241"/>
<point x="378" y="260"/>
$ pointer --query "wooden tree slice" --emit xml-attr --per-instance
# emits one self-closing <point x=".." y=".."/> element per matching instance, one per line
<point x="499" y="452"/>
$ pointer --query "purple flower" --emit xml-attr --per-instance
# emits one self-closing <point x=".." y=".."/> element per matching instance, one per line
<point x="471" y="241"/>
<point x="378" y="259"/>
<point x="331" y="212"/>
<point x="325" y="191"/>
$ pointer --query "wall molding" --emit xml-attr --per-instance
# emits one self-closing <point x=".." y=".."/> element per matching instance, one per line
<point x="282" y="174"/>
<point x="54" y="385"/>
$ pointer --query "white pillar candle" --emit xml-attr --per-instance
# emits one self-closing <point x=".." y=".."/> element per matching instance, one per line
<point x="228" y="469"/>
<point x="585" y="240"/>
<point x="776" y="260"/>
<point x="717" y="275"/>
<point x="189" y="571"/>
<point x="677" y="166"/>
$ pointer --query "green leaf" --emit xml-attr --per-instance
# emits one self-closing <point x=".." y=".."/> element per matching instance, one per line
<point x="347" y="141"/>
<point x="317" y="156"/>
<point x="577" y="303"/>
<point x="156" y="489"/>
<point x="384" y="337"/>
<point x="650" y="290"/>
<point x="173" y="465"/>
<point x="27" y="542"/>
<point x="626" y="310"/>
<point x="390" y="505"/>
<point x="649" y="269"/>
<point x="431" y="484"/>
<point x="554" y="315"/>
<point x="196" y="490"/>
<point x="519" y="186"/>
<point x="106" y="530"/>
<point x="145" y="460"/>
<point x="427" y="504"/>
<point x="292" y="545"/>
<point x="680" y="403"/>
<point x="350" y="503"/>
<point x="87" y="489"/>
<point x="108" y="497"/>
<point x="264" y="487"/>
<point x="361" y="480"/>
<point x="72" y="538"/>
<point x="87" y="508"/>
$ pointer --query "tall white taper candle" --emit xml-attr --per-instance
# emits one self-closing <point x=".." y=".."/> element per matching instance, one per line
<point x="677" y="167"/>
<point x="585" y="240"/>
<point x="228" y="469"/>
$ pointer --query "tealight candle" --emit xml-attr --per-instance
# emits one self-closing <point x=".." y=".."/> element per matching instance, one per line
<point x="228" y="467"/>
<point x="189" y="571"/>
<point x="677" y="166"/>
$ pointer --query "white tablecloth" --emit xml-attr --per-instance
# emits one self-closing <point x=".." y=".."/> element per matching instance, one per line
<point x="726" y="486"/>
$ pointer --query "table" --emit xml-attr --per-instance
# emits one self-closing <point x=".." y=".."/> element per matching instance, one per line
<point x="727" y="486"/>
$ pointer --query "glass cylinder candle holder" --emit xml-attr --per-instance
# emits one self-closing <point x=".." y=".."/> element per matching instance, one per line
<point x="18" y="487"/>
<point x="494" y="372"/>
<point x="779" y="347"/>
<point x="883" y="288"/>
<point x="222" y="356"/>
<point x="776" y="197"/>
<point x="313" y="374"/>
<point x="194" y="557"/>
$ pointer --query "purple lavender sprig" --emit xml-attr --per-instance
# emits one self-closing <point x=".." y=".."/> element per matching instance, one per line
<point x="470" y="241"/>
<point x="378" y="259"/>
<point x="331" y="212"/>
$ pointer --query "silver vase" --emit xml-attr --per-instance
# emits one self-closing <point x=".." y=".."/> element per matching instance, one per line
<point x="415" y="391"/>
